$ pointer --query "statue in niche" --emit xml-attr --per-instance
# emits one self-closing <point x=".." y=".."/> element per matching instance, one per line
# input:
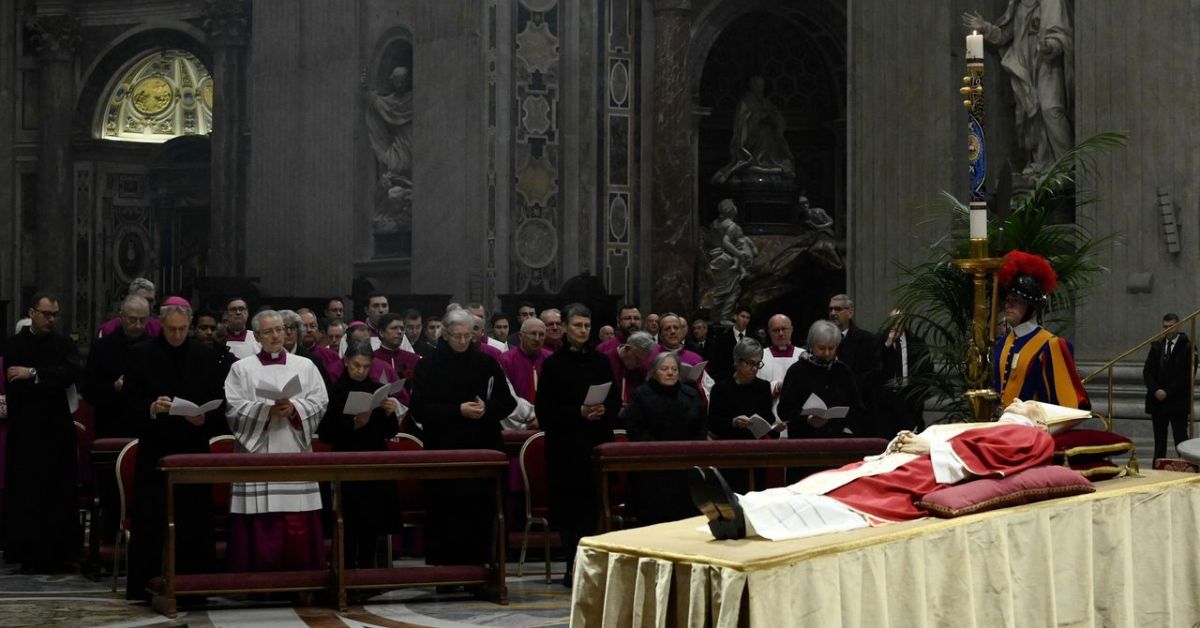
<point x="730" y="256"/>
<point x="758" y="145"/>
<point x="791" y="267"/>
<point x="813" y="218"/>
<point x="389" y="127"/>
<point x="1037" y="52"/>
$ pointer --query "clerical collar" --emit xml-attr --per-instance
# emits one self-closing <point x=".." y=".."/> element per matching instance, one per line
<point x="783" y="353"/>
<point x="268" y="359"/>
<point x="1026" y="328"/>
<point x="237" y="336"/>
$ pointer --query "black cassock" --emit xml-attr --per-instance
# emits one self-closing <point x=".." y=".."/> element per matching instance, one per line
<point x="41" y="513"/>
<point x="107" y="361"/>
<point x="190" y="371"/>
<point x="459" y="514"/>
<point x="570" y="438"/>
<point x="663" y="413"/>
<point x="370" y="509"/>
<point x="835" y="385"/>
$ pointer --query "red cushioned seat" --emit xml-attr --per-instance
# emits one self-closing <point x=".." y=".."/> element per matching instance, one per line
<point x="983" y="494"/>
<point x="114" y="445"/>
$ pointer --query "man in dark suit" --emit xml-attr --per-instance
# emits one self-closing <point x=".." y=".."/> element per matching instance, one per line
<point x="858" y="348"/>
<point x="1167" y="381"/>
<point x="720" y="346"/>
<point x="899" y="404"/>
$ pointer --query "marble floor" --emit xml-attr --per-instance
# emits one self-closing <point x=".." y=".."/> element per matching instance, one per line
<point x="77" y="601"/>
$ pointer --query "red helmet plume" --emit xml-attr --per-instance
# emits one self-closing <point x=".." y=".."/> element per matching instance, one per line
<point x="1027" y="277"/>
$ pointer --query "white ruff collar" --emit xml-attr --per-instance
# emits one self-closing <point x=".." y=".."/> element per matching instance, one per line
<point x="1026" y="328"/>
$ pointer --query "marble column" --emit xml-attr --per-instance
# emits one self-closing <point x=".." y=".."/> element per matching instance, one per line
<point x="55" y="36"/>
<point x="672" y="215"/>
<point x="228" y="25"/>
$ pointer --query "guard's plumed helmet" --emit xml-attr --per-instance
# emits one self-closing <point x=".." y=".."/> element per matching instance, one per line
<point x="1027" y="277"/>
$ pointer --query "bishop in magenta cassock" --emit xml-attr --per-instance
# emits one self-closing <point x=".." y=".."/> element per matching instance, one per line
<point x="522" y="366"/>
<point x="274" y="525"/>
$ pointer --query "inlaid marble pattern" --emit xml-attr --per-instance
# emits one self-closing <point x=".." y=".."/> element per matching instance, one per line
<point x="76" y="601"/>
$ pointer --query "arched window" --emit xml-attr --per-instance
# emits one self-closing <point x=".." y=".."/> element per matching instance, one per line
<point x="161" y="96"/>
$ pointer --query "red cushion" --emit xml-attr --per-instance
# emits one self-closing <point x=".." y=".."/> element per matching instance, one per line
<point x="984" y="494"/>
<point x="1096" y="469"/>
<point x="517" y="437"/>
<point x="110" y="444"/>
<point x="335" y="458"/>
<point x="1090" y="443"/>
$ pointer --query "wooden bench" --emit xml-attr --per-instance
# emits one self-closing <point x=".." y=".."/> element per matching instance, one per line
<point x="618" y="457"/>
<point x="334" y="468"/>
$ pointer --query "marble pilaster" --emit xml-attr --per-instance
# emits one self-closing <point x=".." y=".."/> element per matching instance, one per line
<point x="56" y="36"/>
<point x="228" y="26"/>
<point x="10" y="278"/>
<point x="672" y="215"/>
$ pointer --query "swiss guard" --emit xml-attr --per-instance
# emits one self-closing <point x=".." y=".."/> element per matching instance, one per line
<point x="1029" y="362"/>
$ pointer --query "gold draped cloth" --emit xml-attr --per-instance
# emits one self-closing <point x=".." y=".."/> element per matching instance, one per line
<point x="1126" y="556"/>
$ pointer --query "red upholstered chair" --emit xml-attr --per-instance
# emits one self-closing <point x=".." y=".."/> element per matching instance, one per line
<point x="410" y="494"/>
<point x="126" y="463"/>
<point x="537" y="499"/>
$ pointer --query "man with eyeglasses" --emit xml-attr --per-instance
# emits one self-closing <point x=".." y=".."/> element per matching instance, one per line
<point x="104" y="376"/>
<point x="144" y="288"/>
<point x="858" y="349"/>
<point x="240" y="341"/>
<point x="523" y="367"/>
<point x="629" y="320"/>
<point x="263" y="515"/>
<point x="42" y="520"/>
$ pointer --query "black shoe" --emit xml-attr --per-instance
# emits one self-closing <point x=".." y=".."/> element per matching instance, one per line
<point x="701" y="495"/>
<point x="733" y="519"/>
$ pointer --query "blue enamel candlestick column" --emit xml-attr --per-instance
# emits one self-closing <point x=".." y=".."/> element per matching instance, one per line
<point x="980" y="396"/>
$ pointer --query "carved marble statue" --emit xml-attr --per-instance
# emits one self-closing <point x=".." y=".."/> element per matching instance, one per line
<point x="389" y="127"/>
<point x="813" y="218"/>
<point x="758" y="143"/>
<point x="1037" y="52"/>
<point x="730" y="256"/>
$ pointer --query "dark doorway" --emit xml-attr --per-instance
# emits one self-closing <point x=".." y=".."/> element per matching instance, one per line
<point x="180" y="185"/>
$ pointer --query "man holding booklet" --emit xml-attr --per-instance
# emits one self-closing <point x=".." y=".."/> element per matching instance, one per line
<point x="275" y="401"/>
<point x="173" y="386"/>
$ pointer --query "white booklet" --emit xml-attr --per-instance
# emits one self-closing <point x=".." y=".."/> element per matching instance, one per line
<point x="359" y="402"/>
<point x="597" y="393"/>
<point x="692" y="372"/>
<point x="761" y="427"/>
<point x="815" y="406"/>
<point x="183" y="407"/>
<point x="268" y="391"/>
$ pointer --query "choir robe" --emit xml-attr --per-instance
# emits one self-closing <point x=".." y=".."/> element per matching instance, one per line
<point x="402" y="361"/>
<point x="371" y="509"/>
<point x="242" y="344"/>
<point x="625" y="380"/>
<point x="42" y="507"/>
<point x="1032" y="364"/>
<point x="834" y="384"/>
<point x="107" y="362"/>
<point x="459" y="513"/>
<point x="153" y="327"/>
<point x="570" y="438"/>
<point x="883" y="489"/>
<point x="776" y="363"/>
<point x="523" y="372"/>
<point x="274" y="525"/>
<point x="611" y="344"/>
<point x="190" y="371"/>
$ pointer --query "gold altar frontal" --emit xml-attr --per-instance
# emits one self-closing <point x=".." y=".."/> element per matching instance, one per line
<point x="1063" y="562"/>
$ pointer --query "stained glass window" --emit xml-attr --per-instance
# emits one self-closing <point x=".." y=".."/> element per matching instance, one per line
<point x="161" y="96"/>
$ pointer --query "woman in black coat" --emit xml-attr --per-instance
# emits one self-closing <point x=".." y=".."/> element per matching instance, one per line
<point x="371" y="509"/>
<point x="459" y="397"/>
<point x="733" y="401"/>
<point x="820" y="373"/>
<point x="663" y="409"/>
<point x="573" y="429"/>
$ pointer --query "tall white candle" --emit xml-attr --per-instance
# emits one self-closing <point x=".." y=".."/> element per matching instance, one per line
<point x="974" y="45"/>
<point x="978" y="223"/>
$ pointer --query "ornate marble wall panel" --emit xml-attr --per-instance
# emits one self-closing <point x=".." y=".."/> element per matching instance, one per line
<point x="1135" y="70"/>
<point x="906" y="138"/>
<point x="620" y="217"/>
<point x="303" y="115"/>
<point x="9" y="217"/>
<point x="536" y="214"/>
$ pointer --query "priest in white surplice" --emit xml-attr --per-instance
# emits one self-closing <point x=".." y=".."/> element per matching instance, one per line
<point x="274" y="525"/>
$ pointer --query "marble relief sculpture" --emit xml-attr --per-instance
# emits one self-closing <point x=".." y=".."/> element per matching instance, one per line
<point x="730" y="256"/>
<point x="1037" y="52"/>
<point x="758" y="144"/>
<point x="389" y="127"/>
